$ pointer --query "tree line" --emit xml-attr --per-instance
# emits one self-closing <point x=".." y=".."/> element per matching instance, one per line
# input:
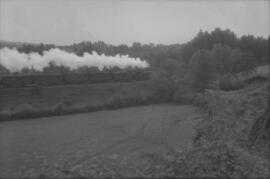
<point x="222" y="51"/>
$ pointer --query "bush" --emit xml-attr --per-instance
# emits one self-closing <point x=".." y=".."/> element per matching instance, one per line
<point x="36" y="90"/>
<point x="201" y="99"/>
<point x="218" y="159"/>
<point x="5" y="115"/>
<point x="183" y="95"/>
<point x="59" y="108"/>
<point x="117" y="101"/>
<point x="257" y="78"/>
<point x="164" y="86"/>
<point x="231" y="83"/>
<point x="67" y="103"/>
<point x="25" y="111"/>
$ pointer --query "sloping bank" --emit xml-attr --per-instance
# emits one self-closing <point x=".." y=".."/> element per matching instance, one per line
<point x="25" y="103"/>
<point x="234" y="140"/>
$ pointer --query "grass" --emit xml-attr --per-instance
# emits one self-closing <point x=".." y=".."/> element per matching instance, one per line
<point x="22" y="103"/>
<point x="137" y="133"/>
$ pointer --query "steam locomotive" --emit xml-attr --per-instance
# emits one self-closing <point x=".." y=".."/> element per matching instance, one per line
<point x="12" y="81"/>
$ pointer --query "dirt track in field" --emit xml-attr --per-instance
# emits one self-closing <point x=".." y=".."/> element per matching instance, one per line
<point x="49" y="144"/>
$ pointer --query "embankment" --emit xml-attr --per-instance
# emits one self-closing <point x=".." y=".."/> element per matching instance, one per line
<point x="21" y="103"/>
<point x="233" y="140"/>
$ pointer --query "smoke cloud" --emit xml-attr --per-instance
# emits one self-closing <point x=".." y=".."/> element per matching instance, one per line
<point x="16" y="61"/>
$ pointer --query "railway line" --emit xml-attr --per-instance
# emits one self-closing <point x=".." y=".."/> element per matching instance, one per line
<point x="13" y="81"/>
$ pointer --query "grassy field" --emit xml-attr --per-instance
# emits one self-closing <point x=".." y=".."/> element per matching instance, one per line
<point x="76" y="145"/>
<point x="59" y="100"/>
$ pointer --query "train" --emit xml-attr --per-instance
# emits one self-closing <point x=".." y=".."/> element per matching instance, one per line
<point x="12" y="81"/>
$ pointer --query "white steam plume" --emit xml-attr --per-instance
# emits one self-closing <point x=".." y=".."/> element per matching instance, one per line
<point x="16" y="61"/>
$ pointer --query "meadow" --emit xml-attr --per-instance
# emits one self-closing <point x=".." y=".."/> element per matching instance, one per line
<point x="70" y="146"/>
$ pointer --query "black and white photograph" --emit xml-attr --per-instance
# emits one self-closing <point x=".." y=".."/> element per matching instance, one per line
<point x="134" y="89"/>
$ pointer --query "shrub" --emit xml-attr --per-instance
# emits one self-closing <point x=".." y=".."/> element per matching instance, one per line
<point x="25" y="111"/>
<point x="117" y="101"/>
<point x="183" y="95"/>
<point x="5" y="115"/>
<point x="231" y="83"/>
<point x="67" y="103"/>
<point x="218" y="159"/>
<point x="36" y="90"/>
<point x="257" y="78"/>
<point x="200" y="99"/>
<point x="164" y="86"/>
<point x="59" y="108"/>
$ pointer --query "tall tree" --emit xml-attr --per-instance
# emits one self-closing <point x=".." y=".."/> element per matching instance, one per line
<point x="201" y="68"/>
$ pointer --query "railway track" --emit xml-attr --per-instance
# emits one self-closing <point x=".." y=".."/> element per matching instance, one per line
<point x="18" y="81"/>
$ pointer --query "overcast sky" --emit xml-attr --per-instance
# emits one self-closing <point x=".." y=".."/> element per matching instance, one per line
<point x="116" y="22"/>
